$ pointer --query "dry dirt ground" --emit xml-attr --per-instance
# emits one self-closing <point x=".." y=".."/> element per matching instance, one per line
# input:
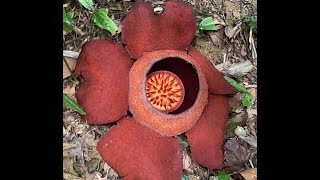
<point x="235" y="57"/>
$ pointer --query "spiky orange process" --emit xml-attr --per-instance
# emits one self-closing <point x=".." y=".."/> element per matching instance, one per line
<point x="143" y="110"/>
<point x="165" y="90"/>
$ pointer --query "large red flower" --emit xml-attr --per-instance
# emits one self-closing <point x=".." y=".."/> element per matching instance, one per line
<point x="170" y="89"/>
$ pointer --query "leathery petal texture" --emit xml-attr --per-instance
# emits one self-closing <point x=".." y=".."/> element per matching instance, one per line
<point x="104" y="66"/>
<point x="216" y="82"/>
<point x="137" y="152"/>
<point x="206" y="137"/>
<point x="187" y="70"/>
<point x="145" y="32"/>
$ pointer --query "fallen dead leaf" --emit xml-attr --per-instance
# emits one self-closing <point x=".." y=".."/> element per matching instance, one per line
<point x="72" y="64"/>
<point x="109" y="172"/>
<point x="193" y="177"/>
<point x="217" y="37"/>
<point x="252" y="125"/>
<point x="79" y="164"/>
<point x="99" y="177"/>
<point x="92" y="165"/>
<point x="241" y="68"/>
<point x="71" y="54"/>
<point x="253" y="91"/>
<point x="235" y="154"/>
<point x="236" y="14"/>
<point x="70" y="90"/>
<point x="186" y="161"/>
<point x="251" y="112"/>
<point x="71" y="120"/>
<point x="250" y="174"/>
<point x="89" y="147"/>
<point x="67" y="146"/>
<point x="235" y="101"/>
<point x="68" y="166"/>
<point x="68" y="176"/>
<point x="221" y="67"/>
<point x="243" y="51"/>
<point x="242" y="133"/>
<point x="237" y="120"/>
<point x="232" y="32"/>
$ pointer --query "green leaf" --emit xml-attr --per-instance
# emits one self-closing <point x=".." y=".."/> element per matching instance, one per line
<point x="183" y="141"/>
<point x="207" y="24"/>
<point x="184" y="177"/>
<point x="246" y="101"/>
<point x="103" y="130"/>
<point x="234" y="83"/>
<point x="252" y="21"/>
<point x="223" y="175"/>
<point x="101" y="19"/>
<point x="87" y="4"/>
<point x="70" y="103"/>
<point x="70" y="15"/>
<point x="197" y="33"/>
<point x="195" y="11"/>
<point x="248" y="97"/>
<point x="253" y="24"/>
<point x="67" y="22"/>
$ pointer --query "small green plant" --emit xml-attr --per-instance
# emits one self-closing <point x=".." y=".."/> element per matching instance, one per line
<point x="248" y="97"/>
<point x="70" y="103"/>
<point x="207" y="24"/>
<point x="223" y="175"/>
<point x="100" y="16"/>
<point x="183" y="141"/>
<point x="252" y="21"/>
<point x="68" y="21"/>
<point x="103" y="130"/>
<point x="184" y="177"/>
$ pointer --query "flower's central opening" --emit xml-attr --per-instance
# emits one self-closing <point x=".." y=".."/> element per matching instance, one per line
<point x="164" y="90"/>
<point x="172" y="85"/>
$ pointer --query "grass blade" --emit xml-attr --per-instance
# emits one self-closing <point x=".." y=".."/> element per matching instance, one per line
<point x="70" y="103"/>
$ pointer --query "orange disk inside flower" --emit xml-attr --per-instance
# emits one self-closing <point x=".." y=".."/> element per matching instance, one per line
<point x="164" y="90"/>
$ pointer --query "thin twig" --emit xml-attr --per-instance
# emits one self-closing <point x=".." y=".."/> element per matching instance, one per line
<point x="251" y="163"/>
<point x="80" y="37"/>
<point x="72" y="75"/>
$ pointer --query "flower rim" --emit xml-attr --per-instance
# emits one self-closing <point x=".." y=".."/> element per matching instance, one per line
<point x="146" y="114"/>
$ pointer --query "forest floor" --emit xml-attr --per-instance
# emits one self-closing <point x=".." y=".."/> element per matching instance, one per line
<point x="231" y="48"/>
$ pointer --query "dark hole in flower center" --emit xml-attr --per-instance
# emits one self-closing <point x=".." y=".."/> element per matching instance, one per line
<point x="188" y="77"/>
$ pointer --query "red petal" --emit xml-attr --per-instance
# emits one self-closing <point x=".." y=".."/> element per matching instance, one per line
<point x="216" y="82"/>
<point x="145" y="32"/>
<point x="206" y="137"/>
<point x="137" y="152"/>
<point x="105" y="66"/>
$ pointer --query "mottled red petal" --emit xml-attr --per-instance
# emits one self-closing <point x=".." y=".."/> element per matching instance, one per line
<point x="104" y="66"/>
<point x="145" y="32"/>
<point x="216" y="82"/>
<point x="206" y="137"/>
<point x="137" y="152"/>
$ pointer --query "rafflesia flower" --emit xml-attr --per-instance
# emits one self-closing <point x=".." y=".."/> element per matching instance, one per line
<point x="170" y="89"/>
